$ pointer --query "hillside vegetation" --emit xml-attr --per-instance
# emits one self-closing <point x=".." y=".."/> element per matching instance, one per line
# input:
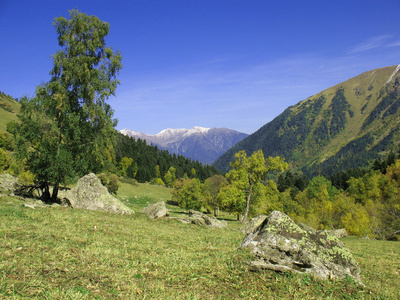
<point x="9" y="109"/>
<point x="63" y="253"/>
<point x="146" y="159"/>
<point x="345" y="126"/>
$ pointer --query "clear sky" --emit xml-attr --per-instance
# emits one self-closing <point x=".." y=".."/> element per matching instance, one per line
<point x="211" y="63"/>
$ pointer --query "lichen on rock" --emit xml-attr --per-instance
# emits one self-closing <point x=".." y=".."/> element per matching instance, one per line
<point x="281" y="245"/>
<point x="90" y="194"/>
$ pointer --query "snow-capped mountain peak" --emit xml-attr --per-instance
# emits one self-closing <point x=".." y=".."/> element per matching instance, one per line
<point x="198" y="143"/>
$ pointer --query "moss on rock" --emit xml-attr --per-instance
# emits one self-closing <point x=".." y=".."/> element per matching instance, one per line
<point x="280" y="244"/>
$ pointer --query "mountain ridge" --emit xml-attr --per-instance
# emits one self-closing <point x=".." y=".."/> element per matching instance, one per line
<point x="344" y="126"/>
<point x="198" y="143"/>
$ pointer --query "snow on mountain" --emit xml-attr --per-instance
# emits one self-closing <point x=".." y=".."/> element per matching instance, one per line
<point x="198" y="143"/>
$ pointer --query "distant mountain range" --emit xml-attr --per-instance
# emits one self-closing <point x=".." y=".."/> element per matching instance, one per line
<point x="198" y="143"/>
<point x="345" y="126"/>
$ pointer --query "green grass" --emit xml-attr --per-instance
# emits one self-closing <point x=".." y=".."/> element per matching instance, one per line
<point x="62" y="253"/>
<point x="8" y="111"/>
<point x="140" y="195"/>
<point x="379" y="262"/>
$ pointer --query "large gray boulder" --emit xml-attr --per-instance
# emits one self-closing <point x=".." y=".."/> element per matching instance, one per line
<point x="90" y="194"/>
<point x="281" y="245"/>
<point x="156" y="210"/>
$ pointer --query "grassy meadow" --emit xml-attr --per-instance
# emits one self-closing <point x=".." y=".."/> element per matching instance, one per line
<point x="64" y="253"/>
<point x="8" y="110"/>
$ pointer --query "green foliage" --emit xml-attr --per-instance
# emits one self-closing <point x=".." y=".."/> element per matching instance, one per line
<point x="356" y="221"/>
<point x="14" y="169"/>
<point x="188" y="193"/>
<point x="170" y="176"/>
<point x="125" y="163"/>
<point x="110" y="181"/>
<point x="366" y="205"/>
<point x="246" y="177"/>
<point x="7" y="141"/>
<point x="67" y="128"/>
<point x="339" y="107"/>
<point x="26" y="177"/>
<point x="147" y="157"/>
<point x="212" y="187"/>
<point x="5" y="160"/>
<point x="157" y="181"/>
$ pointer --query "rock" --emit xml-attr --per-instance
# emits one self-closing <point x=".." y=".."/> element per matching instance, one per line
<point x="252" y="224"/>
<point x="338" y="233"/>
<point x="157" y="210"/>
<point x="9" y="183"/>
<point x="34" y="203"/>
<point x="29" y="205"/>
<point x="201" y="219"/>
<point x="281" y="245"/>
<point x="307" y="228"/>
<point x="90" y="194"/>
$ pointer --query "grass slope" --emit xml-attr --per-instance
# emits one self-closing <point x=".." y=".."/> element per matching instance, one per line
<point x="62" y="253"/>
<point x="8" y="110"/>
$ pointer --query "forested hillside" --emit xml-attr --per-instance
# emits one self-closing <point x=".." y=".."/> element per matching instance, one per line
<point x="345" y="126"/>
<point x="148" y="162"/>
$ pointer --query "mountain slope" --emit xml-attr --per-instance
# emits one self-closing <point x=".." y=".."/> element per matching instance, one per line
<point x="198" y="143"/>
<point x="342" y="127"/>
<point x="8" y="110"/>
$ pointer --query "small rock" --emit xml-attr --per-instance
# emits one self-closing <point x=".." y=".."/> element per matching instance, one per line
<point x="201" y="219"/>
<point x="157" y="210"/>
<point x="28" y="205"/>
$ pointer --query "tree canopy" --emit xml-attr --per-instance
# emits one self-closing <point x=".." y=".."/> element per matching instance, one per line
<point x="247" y="177"/>
<point x="67" y="128"/>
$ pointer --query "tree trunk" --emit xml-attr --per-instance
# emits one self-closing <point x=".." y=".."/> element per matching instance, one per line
<point x="246" y="211"/>
<point x="55" y="193"/>
<point x="216" y="211"/>
<point x="46" y="192"/>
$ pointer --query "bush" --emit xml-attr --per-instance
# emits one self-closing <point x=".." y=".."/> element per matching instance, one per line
<point x="110" y="181"/>
<point x="5" y="160"/>
<point x="26" y="177"/>
<point x="14" y="169"/>
<point x="6" y="141"/>
<point x="157" y="181"/>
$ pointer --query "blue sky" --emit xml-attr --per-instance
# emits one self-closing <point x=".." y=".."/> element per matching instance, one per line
<point x="212" y="63"/>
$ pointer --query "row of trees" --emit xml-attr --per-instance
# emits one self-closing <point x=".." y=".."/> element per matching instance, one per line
<point x="241" y="191"/>
<point x="151" y="164"/>
<point x="369" y="205"/>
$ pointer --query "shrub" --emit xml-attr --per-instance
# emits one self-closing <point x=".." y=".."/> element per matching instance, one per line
<point x="110" y="181"/>
<point x="5" y="160"/>
<point x="26" y="177"/>
<point x="157" y="181"/>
